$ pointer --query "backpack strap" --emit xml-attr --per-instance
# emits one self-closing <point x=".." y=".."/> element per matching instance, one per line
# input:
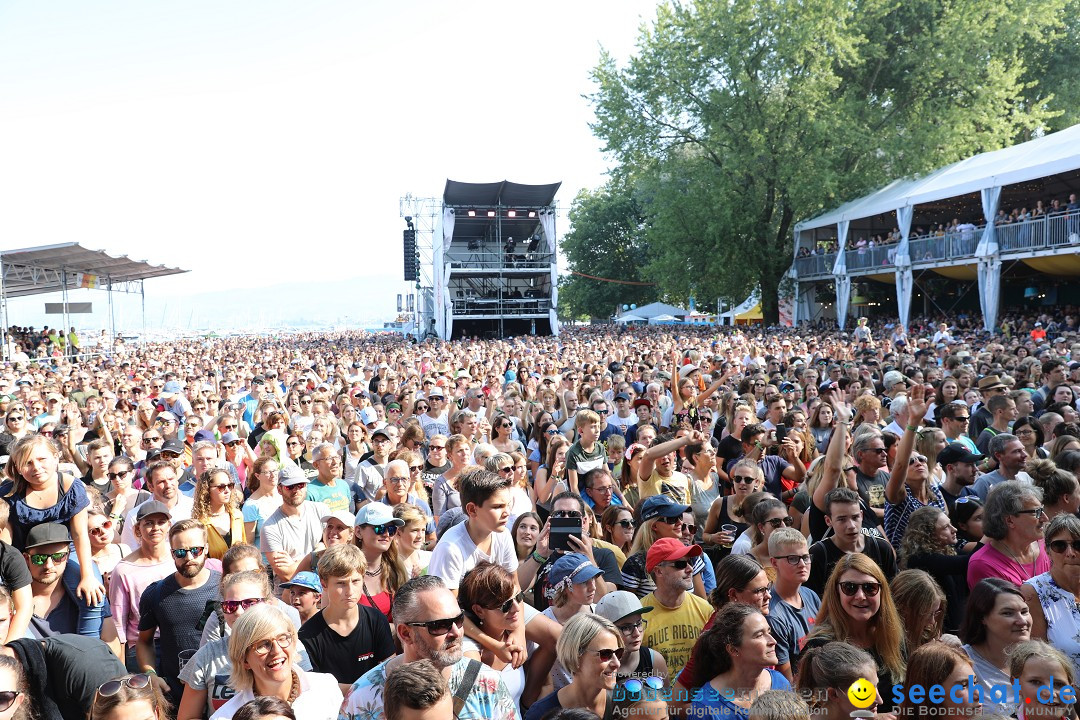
<point x="465" y="688"/>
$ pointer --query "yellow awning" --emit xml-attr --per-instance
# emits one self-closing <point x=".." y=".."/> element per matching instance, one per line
<point x="753" y="313"/>
<point x="1056" y="264"/>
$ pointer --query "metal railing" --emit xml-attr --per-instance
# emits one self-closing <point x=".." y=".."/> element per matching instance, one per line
<point x="1043" y="233"/>
<point x="496" y="307"/>
<point x="488" y="260"/>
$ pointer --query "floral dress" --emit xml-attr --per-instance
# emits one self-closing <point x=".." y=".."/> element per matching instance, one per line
<point x="1062" y="615"/>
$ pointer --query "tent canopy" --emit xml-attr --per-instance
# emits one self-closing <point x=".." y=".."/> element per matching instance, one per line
<point x="629" y="319"/>
<point x="662" y="319"/>
<point x="1048" y="155"/>
<point x="505" y="193"/>
<point x="657" y="308"/>
<point x="42" y="269"/>
<point x="753" y="313"/>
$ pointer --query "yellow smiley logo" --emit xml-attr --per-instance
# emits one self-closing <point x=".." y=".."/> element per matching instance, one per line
<point x="862" y="694"/>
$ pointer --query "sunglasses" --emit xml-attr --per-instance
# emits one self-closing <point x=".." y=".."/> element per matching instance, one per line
<point x="440" y="627"/>
<point x="870" y="589"/>
<point x="117" y="475"/>
<point x="636" y="685"/>
<point x="575" y="514"/>
<point x="135" y="682"/>
<point x="1060" y="546"/>
<point x="56" y="557"/>
<point x="416" y="468"/>
<point x="606" y="654"/>
<point x="229" y="607"/>
<point x="230" y="427"/>
<point x="102" y="528"/>
<point x="421" y="408"/>
<point x="629" y="628"/>
<point x="677" y="564"/>
<point x="777" y="522"/>
<point x="390" y="530"/>
<point x="509" y="469"/>
<point x="263" y="647"/>
<point x="181" y="553"/>
<point x="436" y="447"/>
<point x="509" y="604"/>
<point x="743" y="479"/>
<point x="227" y="487"/>
<point x="625" y="524"/>
<point x="917" y="459"/>
<point x="546" y="432"/>
<point x="677" y="520"/>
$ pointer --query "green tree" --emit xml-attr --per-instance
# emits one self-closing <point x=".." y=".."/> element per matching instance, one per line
<point x="744" y="117"/>
<point x="606" y="240"/>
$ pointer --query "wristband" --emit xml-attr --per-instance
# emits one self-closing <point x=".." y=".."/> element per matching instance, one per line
<point x="913" y="428"/>
<point x="758" y="445"/>
<point x="540" y="559"/>
<point x="149" y="671"/>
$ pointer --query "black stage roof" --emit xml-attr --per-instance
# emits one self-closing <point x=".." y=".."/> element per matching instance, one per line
<point x="503" y="193"/>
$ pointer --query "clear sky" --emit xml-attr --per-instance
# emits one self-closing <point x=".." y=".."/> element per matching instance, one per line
<point x="261" y="142"/>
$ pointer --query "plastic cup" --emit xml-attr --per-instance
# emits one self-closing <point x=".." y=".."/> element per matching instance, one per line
<point x="730" y="530"/>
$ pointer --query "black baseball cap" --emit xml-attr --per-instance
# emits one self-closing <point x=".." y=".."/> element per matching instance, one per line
<point x="956" y="452"/>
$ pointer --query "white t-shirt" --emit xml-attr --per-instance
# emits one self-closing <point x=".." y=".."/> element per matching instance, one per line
<point x="320" y="698"/>
<point x="297" y="535"/>
<point x="434" y="426"/>
<point x="622" y="423"/>
<point x="456" y="554"/>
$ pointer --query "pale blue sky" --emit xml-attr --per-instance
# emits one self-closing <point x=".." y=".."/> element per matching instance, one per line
<point x="260" y="143"/>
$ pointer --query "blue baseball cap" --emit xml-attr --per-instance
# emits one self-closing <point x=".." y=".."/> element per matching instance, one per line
<point x="305" y="579"/>
<point x="661" y="506"/>
<point x="575" y="567"/>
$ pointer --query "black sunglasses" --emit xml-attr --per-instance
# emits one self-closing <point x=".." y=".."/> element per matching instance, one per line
<point x="743" y="479"/>
<point x="509" y="604"/>
<point x="777" y="522"/>
<point x="440" y="627"/>
<point x="677" y="564"/>
<point x="575" y="514"/>
<point x="7" y="699"/>
<point x="625" y="524"/>
<point x="1060" y="546"/>
<point x="870" y="589"/>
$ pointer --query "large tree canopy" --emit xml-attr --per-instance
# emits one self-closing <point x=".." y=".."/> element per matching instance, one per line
<point x="606" y="240"/>
<point x="742" y="116"/>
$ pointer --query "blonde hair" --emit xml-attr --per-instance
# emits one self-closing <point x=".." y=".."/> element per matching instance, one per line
<point x="1024" y="651"/>
<point x="577" y="633"/>
<point x="257" y="624"/>
<point x="341" y="561"/>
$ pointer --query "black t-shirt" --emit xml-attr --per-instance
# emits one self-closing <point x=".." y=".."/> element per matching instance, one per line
<point x="819" y="528"/>
<point x="950" y="571"/>
<point x="605" y="561"/>
<point x="176" y="612"/>
<point x="13" y="571"/>
<point x="824" y="555"/>
<point x="348" y="657"/>
<point x="872" y="488"/>
<point x="77" y="667"/>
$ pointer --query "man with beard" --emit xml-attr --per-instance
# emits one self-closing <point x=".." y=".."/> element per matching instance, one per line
<point x="55" y="609"/>
<point x="430" y="626"/>
<point x="174" y="606"/>
<point x="677" y="613"/>
<point x="293" y="531"/>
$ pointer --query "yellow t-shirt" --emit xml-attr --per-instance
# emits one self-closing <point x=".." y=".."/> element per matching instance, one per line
<point x="672" y="632"/>
<point x="620" y="556"/>
<point x="676" y="487"/>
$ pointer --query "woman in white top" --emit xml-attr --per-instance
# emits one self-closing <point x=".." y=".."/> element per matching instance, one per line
<point x="490" y="595"/>
<point x="264" y="499"/>
<point x="572" y="589"/>
<point x="263" y="654"/>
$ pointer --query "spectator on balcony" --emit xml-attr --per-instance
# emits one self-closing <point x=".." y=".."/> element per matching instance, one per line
<point x="1074" y="219"/>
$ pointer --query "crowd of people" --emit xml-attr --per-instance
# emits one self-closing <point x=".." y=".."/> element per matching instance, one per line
<point x="648" y="522"/>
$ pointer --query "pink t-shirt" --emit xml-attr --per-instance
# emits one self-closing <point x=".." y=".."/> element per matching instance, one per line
<point x="987" y="562"/>
<point x="126" y="586"/>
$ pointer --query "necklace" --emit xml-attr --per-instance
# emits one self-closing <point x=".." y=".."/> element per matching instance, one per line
<point x="1017" y="560"/>
<point x="374" y="573"/>
<point x="294" y="691"/>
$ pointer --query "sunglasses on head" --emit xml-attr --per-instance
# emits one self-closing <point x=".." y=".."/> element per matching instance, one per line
<point x="870" y="589"/>
<point x="440" y="627"/>
<point x="231" y="606"/>
<point x="135" y="682"/>
<point x="194" y="552"/>
<point x="390" y="530"/>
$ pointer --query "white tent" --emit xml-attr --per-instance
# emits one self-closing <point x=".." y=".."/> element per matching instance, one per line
<point x="662" y="319"/>
<point x="985" y="174"/>
<point x="629" y="319"/>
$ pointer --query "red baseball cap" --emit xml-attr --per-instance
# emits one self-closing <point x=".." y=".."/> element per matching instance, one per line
<point x="666" y="549"/>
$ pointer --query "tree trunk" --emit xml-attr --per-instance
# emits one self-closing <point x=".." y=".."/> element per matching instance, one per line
<point x="770" y="304"/>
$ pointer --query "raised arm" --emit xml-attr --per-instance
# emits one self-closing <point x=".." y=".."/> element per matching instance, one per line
<point x="834" y="454"/>
<point x="894" y="490"/>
